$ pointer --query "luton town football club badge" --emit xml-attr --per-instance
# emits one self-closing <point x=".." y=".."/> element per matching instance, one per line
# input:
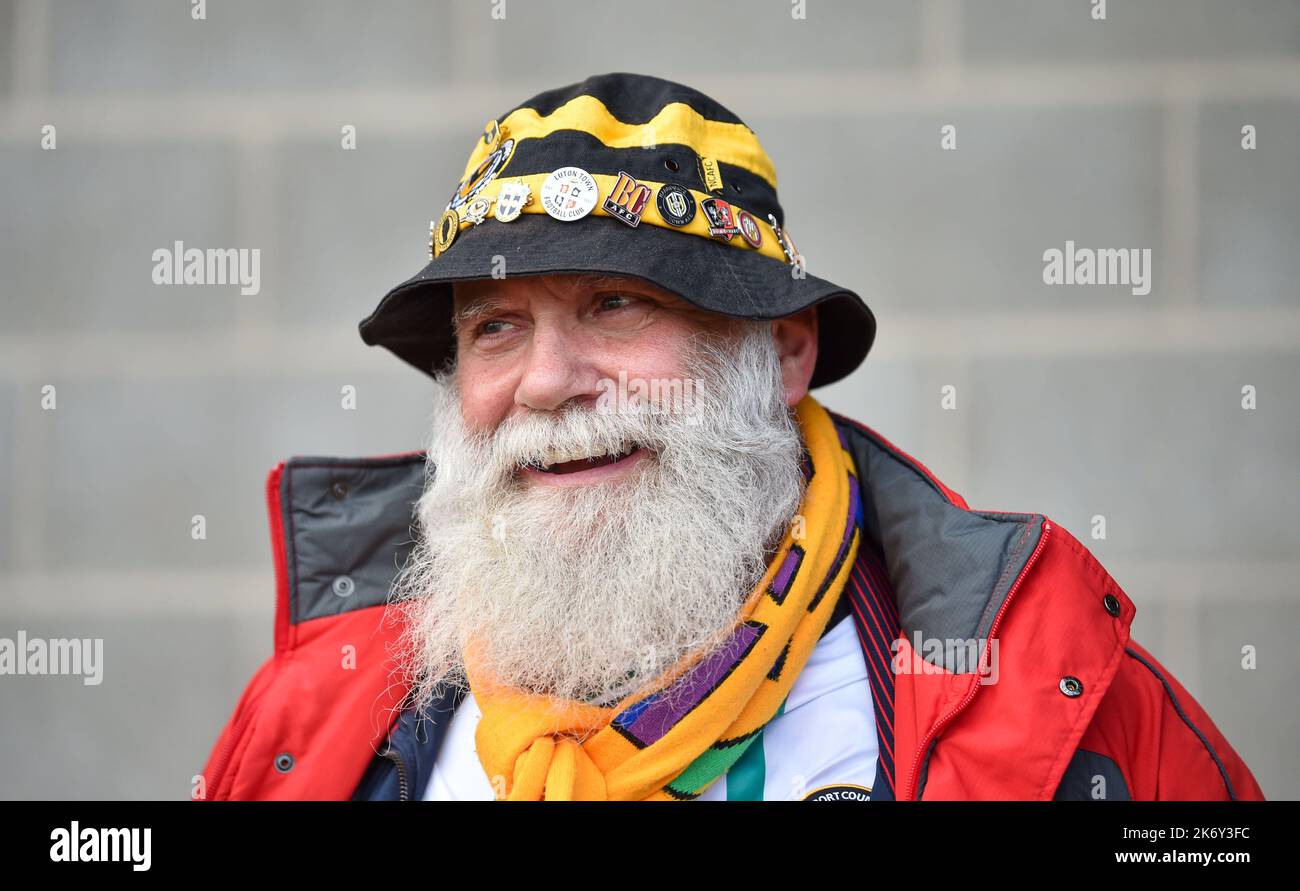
<point x="627" y="200"/>
<point x="569" y="194"/>
<point x="721" y="222"/>
<point x="511" y="200"/>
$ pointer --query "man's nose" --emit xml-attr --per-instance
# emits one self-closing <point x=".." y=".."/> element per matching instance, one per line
<point x="556" y="370"/>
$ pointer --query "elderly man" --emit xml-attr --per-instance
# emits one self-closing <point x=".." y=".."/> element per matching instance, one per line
<point x="648" y="564"/>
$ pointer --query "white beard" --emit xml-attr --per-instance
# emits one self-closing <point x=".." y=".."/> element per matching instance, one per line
<point x="588" y="593"/>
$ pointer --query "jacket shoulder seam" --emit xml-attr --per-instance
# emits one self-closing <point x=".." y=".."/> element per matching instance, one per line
<point x="1223" y="772"/>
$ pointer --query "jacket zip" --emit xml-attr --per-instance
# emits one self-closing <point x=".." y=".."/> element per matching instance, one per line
<point x="281" y="596"/>
<point x="397" y="759"/>
<point x="997" y="620"/>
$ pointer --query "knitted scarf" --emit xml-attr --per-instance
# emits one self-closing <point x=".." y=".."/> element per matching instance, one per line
<point x="670" y="740"/>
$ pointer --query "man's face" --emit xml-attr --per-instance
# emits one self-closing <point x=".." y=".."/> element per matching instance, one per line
<point x="580" y="546"/>
<point x="534" y="344"/>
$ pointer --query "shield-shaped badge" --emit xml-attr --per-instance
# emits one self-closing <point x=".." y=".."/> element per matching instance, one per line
<point x="722" y="223"/>
<point x="511" y="200"/>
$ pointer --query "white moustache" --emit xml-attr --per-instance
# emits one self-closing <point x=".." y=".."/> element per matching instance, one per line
<point x="542" y="440"/>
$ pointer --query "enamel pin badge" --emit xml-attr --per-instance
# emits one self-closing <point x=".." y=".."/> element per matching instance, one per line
<point x="722" y="222"/>
<point x="511" y="201"/>
<point x="627" y="200"/>
<point x="569" y="194"/>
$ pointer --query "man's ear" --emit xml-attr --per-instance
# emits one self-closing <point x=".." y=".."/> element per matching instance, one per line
<point x="796" y="345"/>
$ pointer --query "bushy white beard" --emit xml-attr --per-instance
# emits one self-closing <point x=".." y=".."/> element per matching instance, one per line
<point x="587" y="593"/>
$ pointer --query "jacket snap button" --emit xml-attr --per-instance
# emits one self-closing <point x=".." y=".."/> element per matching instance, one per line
<point x="344" y="586"/>
<point x="284" y="762"/>
<point x="1071" y="686"/>
<point x="339" y="489"/>
<point x="1112" y="604"/>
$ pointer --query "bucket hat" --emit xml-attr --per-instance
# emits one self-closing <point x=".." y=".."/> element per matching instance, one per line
<point x="622" y="174"/>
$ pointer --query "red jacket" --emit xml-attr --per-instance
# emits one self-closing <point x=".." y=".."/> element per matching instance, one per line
<point x="1077" y="709"/>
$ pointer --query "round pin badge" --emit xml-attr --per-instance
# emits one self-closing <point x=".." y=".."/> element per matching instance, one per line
<point x="676" y="204"/>
<point x="477" y="210"/>
<point x="446" y="231"/>
<point x="569" y="194"/>
<point x="749" y="228"/>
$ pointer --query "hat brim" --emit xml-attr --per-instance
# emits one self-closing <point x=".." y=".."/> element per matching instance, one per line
<point x="414" y="319"/>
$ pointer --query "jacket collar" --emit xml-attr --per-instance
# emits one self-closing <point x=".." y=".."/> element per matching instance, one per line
<point x="1016" y="581"/>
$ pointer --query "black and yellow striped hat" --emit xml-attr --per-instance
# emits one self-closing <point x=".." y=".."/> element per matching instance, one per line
<point x="626" y="174"/>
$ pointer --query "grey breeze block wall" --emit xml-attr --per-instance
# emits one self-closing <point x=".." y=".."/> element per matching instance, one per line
<point x="1073" y="401"/>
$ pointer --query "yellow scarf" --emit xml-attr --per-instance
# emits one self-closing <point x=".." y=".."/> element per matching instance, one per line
<point x="671" y="739"/>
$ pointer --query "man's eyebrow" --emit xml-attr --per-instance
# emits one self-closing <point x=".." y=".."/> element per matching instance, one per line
<point x="602" y="280"/>
<point x="599" y="280"/>
<point x="476" y="309"/>
<point x="486" y="304"/>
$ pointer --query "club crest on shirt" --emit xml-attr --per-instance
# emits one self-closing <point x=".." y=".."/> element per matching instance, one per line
<point x="839" y="792"/>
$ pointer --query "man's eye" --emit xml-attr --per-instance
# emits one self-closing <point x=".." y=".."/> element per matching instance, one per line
<point x="492" y="326"/>
<point x="615" y="301"/>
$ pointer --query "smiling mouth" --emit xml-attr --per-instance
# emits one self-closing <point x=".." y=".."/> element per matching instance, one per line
<point x="565" y="465"/>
